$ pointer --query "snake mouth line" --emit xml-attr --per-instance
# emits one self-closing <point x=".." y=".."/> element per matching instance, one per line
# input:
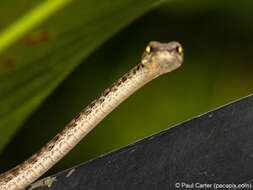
<point x="169" y="58"/>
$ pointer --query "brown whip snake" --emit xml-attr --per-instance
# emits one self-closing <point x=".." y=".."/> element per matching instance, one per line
<point x="158" y="58"/>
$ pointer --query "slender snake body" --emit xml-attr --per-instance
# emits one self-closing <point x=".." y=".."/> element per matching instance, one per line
<point x="157" y="59"/>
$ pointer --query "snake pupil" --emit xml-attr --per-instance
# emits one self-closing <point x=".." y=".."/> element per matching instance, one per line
<point x="148" y="49"/>
<point x="179" y="49"/>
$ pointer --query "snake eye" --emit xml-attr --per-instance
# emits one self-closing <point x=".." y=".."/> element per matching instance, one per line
<point x="179" y="49"/>
<point x="148" y="49"/>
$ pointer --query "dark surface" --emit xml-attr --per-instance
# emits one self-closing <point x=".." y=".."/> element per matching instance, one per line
<point x="216" y="147"/>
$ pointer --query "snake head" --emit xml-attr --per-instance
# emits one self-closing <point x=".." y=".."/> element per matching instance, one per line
<point x="163" y="57"/>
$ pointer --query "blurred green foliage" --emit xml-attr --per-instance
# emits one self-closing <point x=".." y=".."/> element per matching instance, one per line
<point x="217" y="40"/>
<point x="35" y="66"/>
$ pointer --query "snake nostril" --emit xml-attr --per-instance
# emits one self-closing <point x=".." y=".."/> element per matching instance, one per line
<point x="162" y="58"/>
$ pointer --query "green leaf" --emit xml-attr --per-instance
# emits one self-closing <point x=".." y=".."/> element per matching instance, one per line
<point x="32" y="68"/>
<point x="29" y="21"/>
<point x="217" y="41"/>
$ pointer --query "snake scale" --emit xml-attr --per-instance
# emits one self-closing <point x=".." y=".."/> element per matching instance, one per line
<point x="158" y="58"/>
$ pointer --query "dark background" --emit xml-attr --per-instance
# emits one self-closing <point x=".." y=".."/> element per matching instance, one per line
<point x="217" y="39"/>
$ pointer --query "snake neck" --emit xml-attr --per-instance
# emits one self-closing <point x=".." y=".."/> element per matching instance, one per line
<point x="27" y="172"/>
